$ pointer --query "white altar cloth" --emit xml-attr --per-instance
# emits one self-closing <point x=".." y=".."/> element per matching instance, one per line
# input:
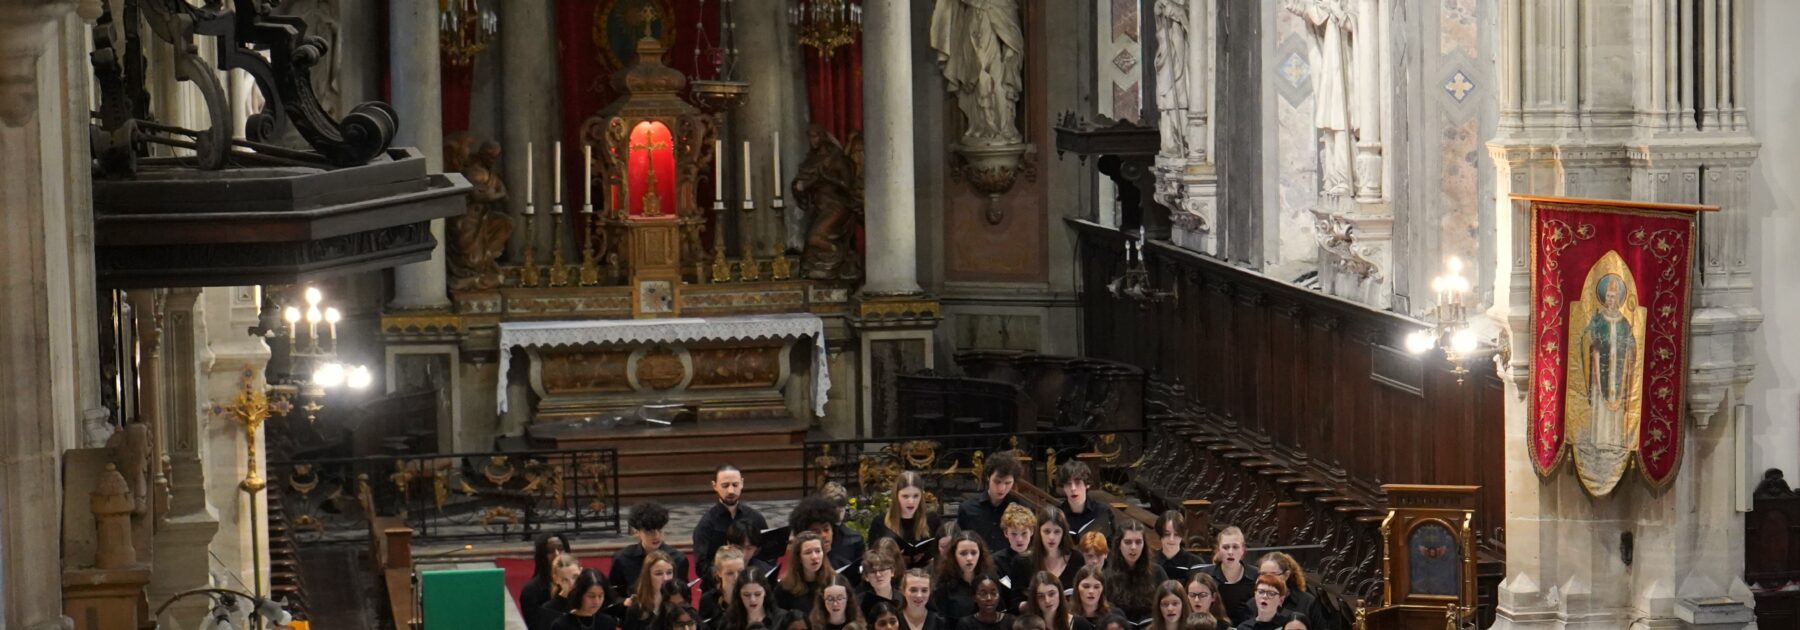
<point x="632" y="331"/>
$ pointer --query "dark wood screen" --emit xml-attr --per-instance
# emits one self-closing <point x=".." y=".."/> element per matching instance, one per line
<point x="1319" y="381"/>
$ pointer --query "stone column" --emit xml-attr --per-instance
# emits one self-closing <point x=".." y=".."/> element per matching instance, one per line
<point x="43" y="179"/>
<point x="1369" y="91"/>
<point x="527" y="59"/>
<point x="231" y="356"/>
<point x="777" y="103"/>
<point x="893" y="265"/>
<point x="413" y="65"/>
<point x="191" y="521"/>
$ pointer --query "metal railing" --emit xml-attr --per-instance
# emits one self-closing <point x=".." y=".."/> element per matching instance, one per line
<point x="457" y="496"/>
<point x="952" y="464"/>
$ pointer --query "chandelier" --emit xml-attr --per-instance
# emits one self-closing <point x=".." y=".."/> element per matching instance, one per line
<point x="1450" y="321"/>
<point x="314" y="356"/>
<point x="826" y="25"/>
<point x="464" y="30"/>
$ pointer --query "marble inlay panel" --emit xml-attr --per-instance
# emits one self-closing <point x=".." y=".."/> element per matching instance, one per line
<point x="1125" y="102"/>
<point x="1458" y="30"/>
<point x="1125" y="20"/>
<point x="1125" y="61"/>
<point x="1296" y="142"/>
<point x="1457" y="183"/>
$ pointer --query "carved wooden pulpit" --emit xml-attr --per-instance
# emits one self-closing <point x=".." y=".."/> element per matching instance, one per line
<point x="651" y="147"/>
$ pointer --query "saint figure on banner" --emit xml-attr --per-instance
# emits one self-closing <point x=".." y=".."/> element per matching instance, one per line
<point x="1605" y="373"/>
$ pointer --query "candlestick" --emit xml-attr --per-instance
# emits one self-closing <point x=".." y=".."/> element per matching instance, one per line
<point x="748" y="195"/>
<point x="775" y="173"/>
<point x="718" y="169"/>
<point x="587" y="197"/>
<point x="556" y="192"/>
<point x="530" y="195"/>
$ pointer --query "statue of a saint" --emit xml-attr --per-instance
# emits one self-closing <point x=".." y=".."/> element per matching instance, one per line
<point x="1171" y="74"/>
<point x="478" y="237"/>
<point x="1333" y="26"/>
<point x="829" y="190"/>
<point x="981" y="46"/>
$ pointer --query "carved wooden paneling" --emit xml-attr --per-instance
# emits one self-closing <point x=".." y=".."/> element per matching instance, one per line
<point x="1307" y="379"/>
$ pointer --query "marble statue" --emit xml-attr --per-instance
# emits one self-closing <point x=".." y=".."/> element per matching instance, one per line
<point x="1172" y="74"/>
<point x="981" y="46"/>
<point x="829" y="191"/>
<point x="1332" y="24"/>
<point x="478" y="237"/>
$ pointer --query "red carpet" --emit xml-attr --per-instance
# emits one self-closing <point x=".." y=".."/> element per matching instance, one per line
<point x="518" y="572"/>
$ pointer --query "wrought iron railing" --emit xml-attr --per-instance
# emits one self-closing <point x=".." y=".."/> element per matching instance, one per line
<point x="457" y="496"/>
<point x="952" y="465"/>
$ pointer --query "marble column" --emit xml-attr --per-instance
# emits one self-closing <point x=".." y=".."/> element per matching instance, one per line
<point x="527" y="59"/>
<point x="777" y="103"/>
<point x="413" y="66"/>
<point x="893" y="266"/>
<point x="191" y="521"/>
<point x="43" y="162"/>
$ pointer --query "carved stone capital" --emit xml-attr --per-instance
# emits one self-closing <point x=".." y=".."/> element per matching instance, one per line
<point x="24" y="33"/>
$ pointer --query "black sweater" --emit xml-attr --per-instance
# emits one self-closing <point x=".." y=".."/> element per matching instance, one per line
<point x="570" y="621"/>
<point x="1238" y="597"/>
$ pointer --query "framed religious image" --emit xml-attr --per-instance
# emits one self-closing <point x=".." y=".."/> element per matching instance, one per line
<point x="655" y="297"/>
<point x="1428" y="555"/>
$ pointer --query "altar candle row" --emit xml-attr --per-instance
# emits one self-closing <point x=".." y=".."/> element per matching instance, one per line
<point x="588" y="187"/>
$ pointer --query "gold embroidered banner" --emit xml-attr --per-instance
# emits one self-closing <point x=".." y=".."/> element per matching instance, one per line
<point x="1610" y="285"/>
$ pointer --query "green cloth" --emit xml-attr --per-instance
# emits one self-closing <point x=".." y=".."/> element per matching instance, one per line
<point x="468" y="599"/>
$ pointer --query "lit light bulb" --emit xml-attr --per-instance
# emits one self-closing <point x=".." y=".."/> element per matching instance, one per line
<point x="1439" y="284"/>
<point x="1463" y="342"/>
<point x="329" y="375"/>
<point x="313" y="296"/>
<point x="312" y="315"/>
<point x="1453" y="264"/>
<point x="359" y="377"/>
<point x="1458" y="284"/>
<point x="292" y="315"/>
<point x="332" y="316"/>
<point x="1418" y="342"/>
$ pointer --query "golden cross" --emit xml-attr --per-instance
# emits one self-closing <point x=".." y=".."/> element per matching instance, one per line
<point x="649" y="15"/>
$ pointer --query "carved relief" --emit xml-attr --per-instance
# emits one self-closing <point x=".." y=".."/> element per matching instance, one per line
<point x="660" y="368"/>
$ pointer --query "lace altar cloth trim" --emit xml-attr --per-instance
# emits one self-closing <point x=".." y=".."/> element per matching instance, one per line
<point x="573" y="333"/>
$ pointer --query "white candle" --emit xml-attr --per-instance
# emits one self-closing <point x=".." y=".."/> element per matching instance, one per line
<point x="529" y="180"/>
<point x="775" y="173"/>
<point x="747" y="191"/>
<point x="587" y="197"/>
<point x="718" y="170"/>
<point x="556" y="158"/>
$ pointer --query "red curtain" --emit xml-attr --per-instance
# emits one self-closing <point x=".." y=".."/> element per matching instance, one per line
<point x="834" y="89"/>
<point x="458" y="82"/>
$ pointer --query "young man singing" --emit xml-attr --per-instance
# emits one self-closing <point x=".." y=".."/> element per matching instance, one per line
<point x="980" y="512"/>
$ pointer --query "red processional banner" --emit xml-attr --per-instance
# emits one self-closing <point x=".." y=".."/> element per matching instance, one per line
<point x="1610" y="289"/>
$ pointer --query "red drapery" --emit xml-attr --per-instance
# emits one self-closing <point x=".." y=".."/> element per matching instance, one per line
<point x="834" y="89"/>
<point x="1571" y="242"/>
<point x="458" y="82"/>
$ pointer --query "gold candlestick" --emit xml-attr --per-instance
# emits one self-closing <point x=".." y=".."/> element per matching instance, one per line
<point x="748" y="270"/>
<point x="721" y="266"/>
<point x="528" y="274"/>
<point x="590" y="263"/>
<point x="778" y="266"/>
<point x="559" y="271"/>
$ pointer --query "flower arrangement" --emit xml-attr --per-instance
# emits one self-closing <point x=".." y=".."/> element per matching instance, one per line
<point x="861" y="512"/>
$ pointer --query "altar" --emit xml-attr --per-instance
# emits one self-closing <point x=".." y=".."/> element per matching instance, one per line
<point x="724" y="368"/>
